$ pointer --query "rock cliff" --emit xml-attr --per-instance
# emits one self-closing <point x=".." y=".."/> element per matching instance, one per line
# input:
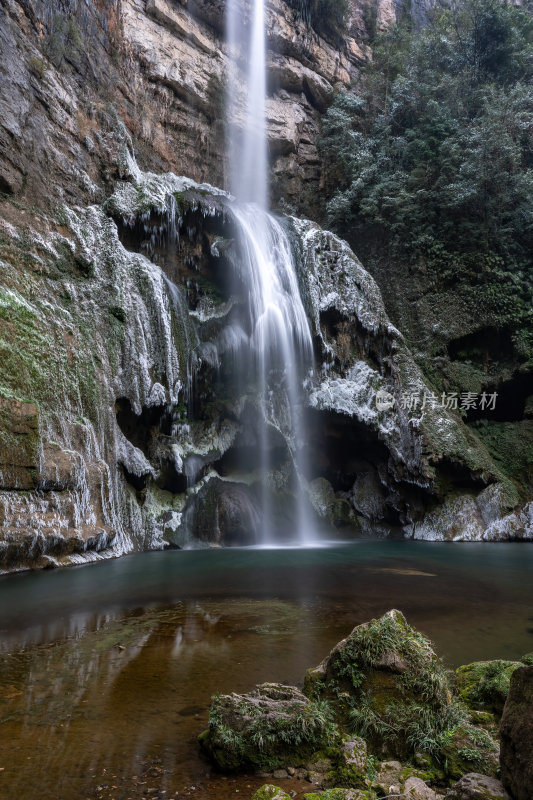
<point x="73" y="74"/>
<point x="109" y="324"/>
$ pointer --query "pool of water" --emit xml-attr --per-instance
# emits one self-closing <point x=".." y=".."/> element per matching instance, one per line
<point x="106" y="670"/>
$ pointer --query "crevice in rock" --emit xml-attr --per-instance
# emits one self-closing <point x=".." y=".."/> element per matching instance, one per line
<point x="170" y="480"/>
<point x="140" y="429"/>
<point x="139" y="482"/>
<point x="510" y="402"/>
<point x="484" y="348"/>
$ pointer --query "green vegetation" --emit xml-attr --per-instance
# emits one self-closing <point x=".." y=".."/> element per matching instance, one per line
<point x="467" y="748"/>
<point x="435" y="159"/>
<point x="484" y="685"/>
<point x="265" y="728"/>
<point x="387" y="685"/>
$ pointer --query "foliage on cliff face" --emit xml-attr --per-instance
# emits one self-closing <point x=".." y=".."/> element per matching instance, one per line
<point x="436" y="156"/>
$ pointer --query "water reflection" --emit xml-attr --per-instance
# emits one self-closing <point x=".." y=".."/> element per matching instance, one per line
<point x="106" y="674"/>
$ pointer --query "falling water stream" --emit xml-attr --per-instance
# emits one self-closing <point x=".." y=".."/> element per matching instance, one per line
<point x="280" y="335"/>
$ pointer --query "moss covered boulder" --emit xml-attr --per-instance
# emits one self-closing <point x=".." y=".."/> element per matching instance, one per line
<point x="467" y="748"/>
<point x="387" y="685"/>
<point x="484" y="685"/>
<point x="270" y="792"/>
<point x="270" y="727"/>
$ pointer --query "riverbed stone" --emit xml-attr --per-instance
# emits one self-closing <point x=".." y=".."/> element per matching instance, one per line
<point x="516" y="736"/>
<point x="484" y="685"/>
<point x="273" y="726"/>
<point x="270" y="792"/>
<point x="378" y="677"/>
<point x="474" y="786"/>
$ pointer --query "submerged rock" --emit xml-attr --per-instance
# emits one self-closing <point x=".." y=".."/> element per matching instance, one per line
<point x="271" y="726"/>
<point x="387" y="684"/>
<point x="516" y="735"/>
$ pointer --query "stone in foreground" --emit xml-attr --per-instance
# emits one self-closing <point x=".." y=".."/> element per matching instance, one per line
<point x="270" y="792"/>
<point x="416" y="789"/>
<point x="516" y="736"/>
<point x="270" y="727"/>
<point x="477" y="787"/>
<point x="378" y="679"/>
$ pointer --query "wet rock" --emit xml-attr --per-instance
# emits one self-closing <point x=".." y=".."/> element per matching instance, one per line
<point x="484" y="685"/>
<point x="474" y="786"/>
<point x="280" y="774"/>
<point x="274" y="726"/>
<point x="19" y="444"/>
<point x="378" y="678"/>
<point x="516" y="736"/>
<point x="224" y="513"/>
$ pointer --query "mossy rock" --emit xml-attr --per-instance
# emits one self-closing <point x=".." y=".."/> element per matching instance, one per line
<point x="387" y="685"/>
<point x="469" y="749"/>
<point x="430" y="775"/>
<point x="270" y="792"/>
<point x="484" y="685"/>
<point x="527" y="659"/>
<point x="273" y="726"/>
<point x="340" y="794"/>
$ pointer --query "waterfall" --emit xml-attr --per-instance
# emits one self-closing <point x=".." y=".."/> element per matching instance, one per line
<point x="280" y="337"/>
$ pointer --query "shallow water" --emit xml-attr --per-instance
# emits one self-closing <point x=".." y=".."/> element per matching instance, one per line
<point x="106" y="671"/>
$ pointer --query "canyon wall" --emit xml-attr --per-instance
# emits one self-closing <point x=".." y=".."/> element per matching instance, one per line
<point x="97" y="453"/>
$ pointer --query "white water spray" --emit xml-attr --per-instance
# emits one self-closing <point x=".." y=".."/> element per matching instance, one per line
<point x="280" y="337"/>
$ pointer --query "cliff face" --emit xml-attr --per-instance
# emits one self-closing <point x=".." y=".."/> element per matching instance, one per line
<point x="74" y="74"/>
<point x="96" y="448"/>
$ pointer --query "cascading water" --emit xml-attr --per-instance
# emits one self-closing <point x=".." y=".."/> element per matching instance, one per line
<point x="280" y="337"/>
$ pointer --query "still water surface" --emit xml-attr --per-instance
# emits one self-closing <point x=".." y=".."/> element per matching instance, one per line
<point x="106" y="670"/>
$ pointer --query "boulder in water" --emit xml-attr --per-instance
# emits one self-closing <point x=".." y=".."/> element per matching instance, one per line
<point x="386" y="684"/>
<point x="269" y="727"/>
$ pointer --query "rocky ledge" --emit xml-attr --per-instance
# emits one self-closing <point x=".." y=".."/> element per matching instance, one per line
<point x="379" y="717"/>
